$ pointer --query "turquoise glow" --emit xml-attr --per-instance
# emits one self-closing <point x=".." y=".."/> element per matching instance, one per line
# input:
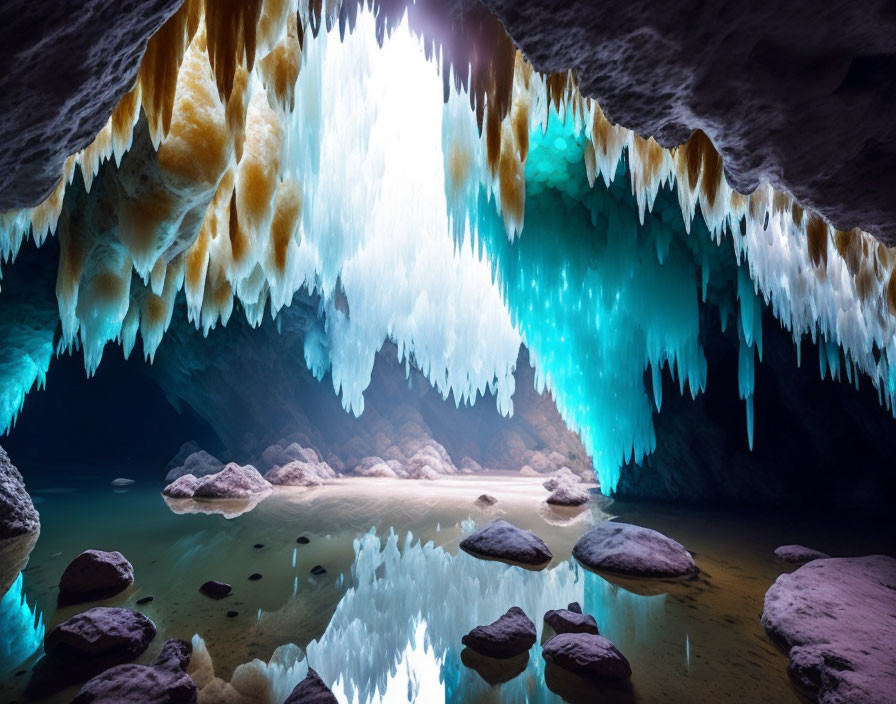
<point x="22" y="628"/>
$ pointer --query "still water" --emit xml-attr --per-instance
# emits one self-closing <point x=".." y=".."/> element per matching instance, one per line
<point x="384" y="623"/>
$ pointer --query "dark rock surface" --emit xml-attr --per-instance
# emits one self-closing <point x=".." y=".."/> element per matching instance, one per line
<point x="494" y="670"/>
<point x="233" y="482"/>
<point x="797" y="94"/>
<point x="836" y="618"/>
<point x="501" y="540"/>
<point x="17" y="513"/>
<point x="164" y="682"/>
<point x="568" y="621"/>
<point x="798" y="554"/>
<point x="215" y="590"/>
<point x="568" y="494"/>
<point x="486" y="500"/>
<point x="97" y="639"/>
<point x="94" y="575"/>
<point x="510" y="635"/>
<point x="65" y="66"/>
<point x="575" y="607"/>
<point x="587" y="654"/>
<point x="624" y="549"/>
<point x="311" y="690"/>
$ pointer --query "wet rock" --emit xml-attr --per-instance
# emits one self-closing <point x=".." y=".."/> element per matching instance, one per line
<point x="258" y="546"/>
<point x="233" y="482"/>
<point x="587" y="654"/>
<point x="317" y="571"/>
<point x="575" y="607"/>
<point x="494" y="670"/>
<point x="216" y="590"/>
<point x="562" y="476"/>
<point x="233" y="614"/>
<point x="510" y="635"/>
<point x="501" y="540"/>
<point x="254" y="577"/>
<point x="311" y="690"/>
<point x="145" y="600"/>
<point x="164" y="682"/>
<point x="183" y="487"/>
<point x="569" y="494"/>
<point x="19" y="523"/>
<point x="568" y="621"/>
<point x="835" y="618"/>
<point x="798" y="554"/>
<point x="302" y="540"/>
<point x="633" y="551"/>
<point x="486" y="500"/>
<point x="99" y="638"/>
<point x="295" y="473"/>
<point x="94" y="575"/>
<point x="199" y="464"/>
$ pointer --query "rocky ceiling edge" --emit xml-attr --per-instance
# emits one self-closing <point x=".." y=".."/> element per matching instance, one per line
<point x="798" y="94"/>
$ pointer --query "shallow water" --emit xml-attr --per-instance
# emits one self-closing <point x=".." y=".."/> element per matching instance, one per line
<point x="388" y="615"/>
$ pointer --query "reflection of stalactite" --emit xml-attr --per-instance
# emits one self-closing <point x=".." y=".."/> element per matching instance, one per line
<point x="22" y="628"/>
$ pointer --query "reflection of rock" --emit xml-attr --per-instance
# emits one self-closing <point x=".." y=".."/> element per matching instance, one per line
<point x="510" y="635"/>
<point x="95" y="575"/>
<point x="19" y="523"/>
<point x="494" y="670"/>
<point x="798" y="554"/>
<point x="579" y="689"/>
<point x="569" y="621"/>
<point x="229" y="508"/>
<point x="164" y="682"/>
<point x="587" y="654"/>
<point x="311" y="690"/>
<point x="835" y="617"/>
<point x="182" y="488"/>
<point x="233" y="482"/>
<point x="97" y="639"/>
<point x="22" y="628"/>
<point x="199" y="464"/>
<point x="500" y="540"/>
<point x="621" y="548"/>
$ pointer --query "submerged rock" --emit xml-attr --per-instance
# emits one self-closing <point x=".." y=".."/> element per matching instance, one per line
<point x="99" y="638"/>
<point x="215" y="589"/>
<point x="494" y="670"/>
<point x="569" y="621"/>
<point x="93" y="575"/>
<point x="836" y="618"/>
<point x="486" y="500"/>
<point x="199" y="464"/>
<point x="501" y="540"/>
<point x="311" y="690"/>
<point x="164" y="682"/>
<point x="510" y="635"/>
<point x="233" y="482"/>
<point x="587" y="654"/>
<point x="569" y="494"/>
<point x="798" y="554"/>
<point x="633" y="551"/>
<point x="183" y="487"/>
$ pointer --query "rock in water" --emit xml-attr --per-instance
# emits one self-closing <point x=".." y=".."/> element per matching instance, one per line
<point x="93" y="575"/>
<point x="295" y="473"/>
<point x="837" y="620"/>
<point x="19" y="523"/>
<point x="311" y="690"/>
<point x="486" y="500"/>
<point x="798" y="554"/>
<point x="215" y="590"/>
<point x="587" y="654"/>
<point x="98" y="639"/>
<point x="568" y="494"/>
<point x="633" y="551"/>
<point x="165" y="682"/>
<point x="233" y="482"/>
<point x="568" y="621"/>
<point x="575" y="607"/>
<point x="510" y="635"/>
<point x="182" y="488"/>
<point x="500" y="540"/>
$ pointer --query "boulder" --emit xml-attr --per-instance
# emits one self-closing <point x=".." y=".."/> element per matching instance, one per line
<point x="587" y="654"/>
<point x="836" y="618"/>
<point x="199" y="464"/>
<point x="98" y="639"/>
<point x="183" y="487"/>
<point x="295" y="473"/>
<point x="164" y="682"/>
<point x="374" y="467"/>
<point x="311" y="690"/>
<point x="233" y="482"/>
<point x="569" y="494"/>
<point x="510" y="635"/>
<point x="798" y="554"/>
<point x="486" y="500"/>
<point x="17" y="513"/>
<point x="575" y="607"/>
<point x="503" y="541"/>
<point x="564" y="475"/>
<point x="568" y="621"/>
<point x="633" y="551"/>
<point x="94" y="575"/>
<point x="215" y="590"/>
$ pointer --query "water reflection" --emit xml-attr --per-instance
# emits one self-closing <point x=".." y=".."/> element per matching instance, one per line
<point x="21" y="628"/>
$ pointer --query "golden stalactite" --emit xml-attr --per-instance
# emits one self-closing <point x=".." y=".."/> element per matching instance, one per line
<point x="239" y="246"/>
<point x="279" y="70"/>
<point x="285" y="223"/>
<point x="159" y="68"/>
<point x="235" y="111"/>
<point x="816" y="238"/>
<point x="123" y="119"/>
<point x="230" y="27"/>
<point x="512" y="181"/>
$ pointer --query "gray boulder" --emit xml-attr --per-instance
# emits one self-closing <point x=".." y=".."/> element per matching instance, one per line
<point x="798" y="554"/>
<point x="183" y="487"/>
<point x="633" y="551"/>
<point x="295" y="473"/>
<point x="95" y="575"/>
<point x="510" y="635"/>
<point x="588" y="655"/>
<point x="17" y="513"/>
<point x="233" y="482"/>
<point x="503" y="541"/>
<point x="568" y="621"/>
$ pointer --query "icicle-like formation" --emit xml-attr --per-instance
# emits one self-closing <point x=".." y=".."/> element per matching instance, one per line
<point x="22" y="628"/>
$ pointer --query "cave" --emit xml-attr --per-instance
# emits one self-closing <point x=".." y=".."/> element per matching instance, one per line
<point x="388" y="351"/>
